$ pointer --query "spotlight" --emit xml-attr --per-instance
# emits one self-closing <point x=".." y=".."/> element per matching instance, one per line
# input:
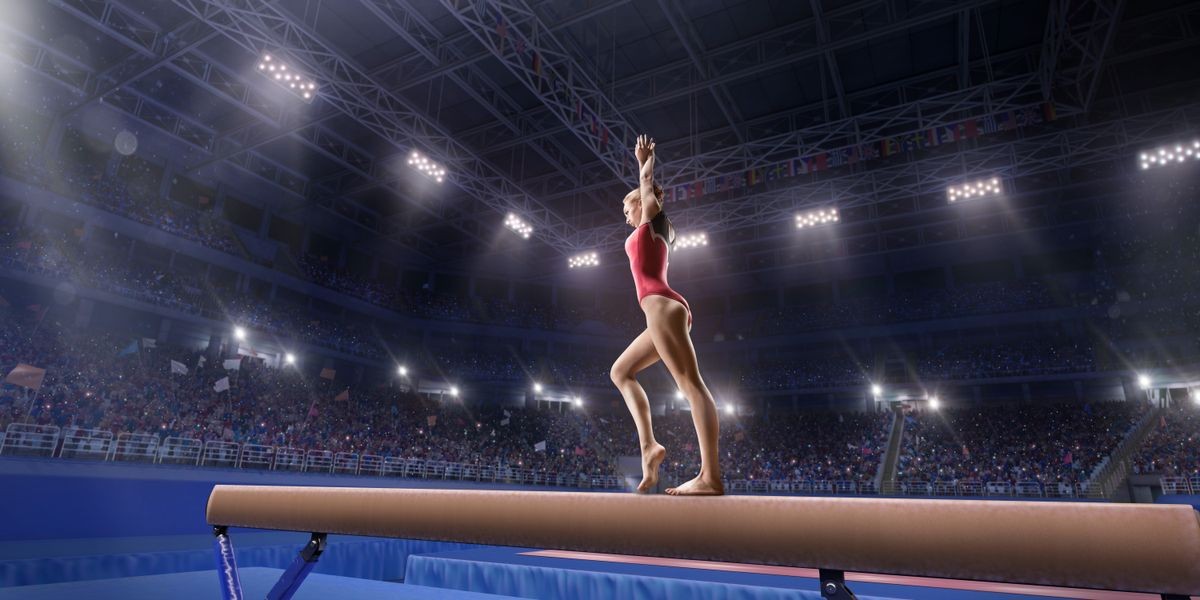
<point x="1143" y="381"/>
<point x="876" y="390"/>
<point x="934" y="404"/>
<point x="289" y="358"/>
<point x="1169" y="154"/>
<point x="583" y="260"/>
<point x="692" y="241"/>
<point x="678" y="395"/>
<point x="454" y="391"/>
<point x="296" y="82"/>
<point x="974" y="189"/>
<point x="817" y="217"/>
<point x="403" y="370"/>
<point x="578" y="401"/>
<point x="514" y="223"/>
<point x="239" y="334"/>
<point x="537" y="388"/>
<point x="729" y="409"/>
<point x="423" y="165"/>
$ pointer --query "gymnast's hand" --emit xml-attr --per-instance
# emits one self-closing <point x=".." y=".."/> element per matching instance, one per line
<point x="644" y="149"/>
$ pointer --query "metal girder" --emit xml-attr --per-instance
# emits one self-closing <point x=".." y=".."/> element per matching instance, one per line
<point x="694" y="47"/>
<point x="412" y="27"/>
<point x="261" y="27"/>
<point x="122" y="24"/>
<point x="1078" y="36"/>
<point x="164" y="48"/>
<point x="525" y="46"/>
<point x="830" y="61"/>
<point x="1165" y="30"/>
<point x="50" y="62"/>
<point x="1016" y="62"/>
<point x="771" y="50"/>
<point x="1020" y="157"/>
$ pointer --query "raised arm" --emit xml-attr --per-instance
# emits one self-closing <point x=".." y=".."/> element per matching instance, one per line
<point x="651" y="205"/>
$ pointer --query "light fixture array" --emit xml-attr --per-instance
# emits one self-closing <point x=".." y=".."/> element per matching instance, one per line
<point x="974" y="189"/>
<point x="692" y="240"/>
<point x="288" y="78"/>
<point x="1170" y="154"/>
<point x="515" y="223"/>
<point x="588" y="259"/>
<point x="817" y="217"/>
<point x="426" y="166"/>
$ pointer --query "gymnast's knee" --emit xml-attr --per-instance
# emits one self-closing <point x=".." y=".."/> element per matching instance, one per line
<point x="619" y="375"/>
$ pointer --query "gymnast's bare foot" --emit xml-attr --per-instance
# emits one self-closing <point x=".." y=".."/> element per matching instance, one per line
<point x="702" y="485"/>
<point x="651" y="459"/>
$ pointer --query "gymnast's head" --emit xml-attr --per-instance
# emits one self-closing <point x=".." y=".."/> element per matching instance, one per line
<point x="633" y="205"/>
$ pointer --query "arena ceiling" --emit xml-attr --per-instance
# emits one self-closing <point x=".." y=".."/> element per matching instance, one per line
<point x="532" y="104"/>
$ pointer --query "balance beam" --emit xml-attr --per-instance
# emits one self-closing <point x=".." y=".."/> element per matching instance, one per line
<point x="1120" y="547"/>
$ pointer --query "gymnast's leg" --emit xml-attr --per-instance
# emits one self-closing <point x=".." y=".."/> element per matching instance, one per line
<point x="667" y="321"/>
<point x="637" y="357"/>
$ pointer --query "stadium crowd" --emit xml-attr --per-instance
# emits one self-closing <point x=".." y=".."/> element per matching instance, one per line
<point x="1046" y="443"/>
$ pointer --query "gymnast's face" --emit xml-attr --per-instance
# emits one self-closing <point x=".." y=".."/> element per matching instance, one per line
<point x="633" y="208"/>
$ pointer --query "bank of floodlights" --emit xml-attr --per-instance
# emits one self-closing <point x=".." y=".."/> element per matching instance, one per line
<point x="1171" y="154"/>
<point x="518" y="226"/>
<point x="817" y="217"/>
<point x="691" y="240"/>
<point x="587" y="259"/>
<point x="974" y="189"/>
<point x="288" y="78"/>
<point x="426" y="166"/>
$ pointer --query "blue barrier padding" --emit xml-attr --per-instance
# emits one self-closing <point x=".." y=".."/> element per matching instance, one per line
<point x="55" y="561"/>
<point x="1190" y="499"/>
<point x="201" y="585"/>
<point x="507" y="571"/>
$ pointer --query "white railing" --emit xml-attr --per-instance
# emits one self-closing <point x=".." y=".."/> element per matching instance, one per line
<point x="135" y="447"/>
<point x="345" y="463"/>
<point x="180" y="451"/>
<point x="318" y="461"/>
<point x="289" y="459"/>
<point x="256" y="456"/>
<point x="86" y="443"/>
<point x="22" y="439"/>
<point x="220" y="454"/>
<point x="370" y="464"/>
<point x="393" y="466"/>
<point x="1175" y="485"/>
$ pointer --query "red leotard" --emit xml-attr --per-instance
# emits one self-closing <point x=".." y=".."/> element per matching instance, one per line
<point x="648" y="248"/>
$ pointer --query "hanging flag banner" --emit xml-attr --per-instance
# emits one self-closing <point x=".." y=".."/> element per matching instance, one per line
<point x="222" y="385"/>
<point x="178" y="367"/>
<point x="27" y="376"/>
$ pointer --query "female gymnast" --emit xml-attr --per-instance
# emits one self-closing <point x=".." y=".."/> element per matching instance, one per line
<point x="668" y="322"/>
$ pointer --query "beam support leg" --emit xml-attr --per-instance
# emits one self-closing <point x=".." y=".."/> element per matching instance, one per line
<point x="231" y="585"/>
<point x="303" y="564"/>
<point x="833" y="586"/>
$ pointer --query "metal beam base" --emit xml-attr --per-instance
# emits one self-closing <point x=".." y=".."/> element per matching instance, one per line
<point x="231" y="585"/>
<point x="833" y="586"/>
<point x="301" y="566"/>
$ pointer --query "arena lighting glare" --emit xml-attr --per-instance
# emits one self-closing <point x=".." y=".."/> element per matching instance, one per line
<point x="454" y="391"/>
<point x="515" y="223"/>
<point x="239" y="334"/>
<point x="876" y="390"/>
<point x="729" y="409"/>
<point x="1170" y="154"/>
<point x="1143" y="381"/>
<point x="578" y="401"/>
<point x="426" y="166"/>
<point x="678" y="395"/>
<point x="588" y="259"/>
<point x="817" y="217"/>
<point x="537" y="388"/>
<point x="289" y="358"/>
<point x="934" y="404"/>
<point x="691" y="240"/>
<point x="403" y="370"/>
<point x="974" y="189"/>
<point x="290" y="79"/>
